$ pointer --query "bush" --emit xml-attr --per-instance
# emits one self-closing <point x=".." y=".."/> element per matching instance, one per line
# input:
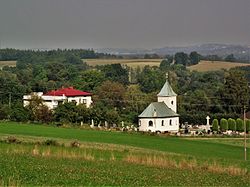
<point x="248" y="126"/>
<point x="51" y="142"/>
<point x="12" y="139"/>
<point x="223" y="125"/>
<point x="19" y="113"/>
<point x="75" y="144"/>
<point x="239" y="125"/>
<point x="215" y="125"/>
<point x="231" y="124"/>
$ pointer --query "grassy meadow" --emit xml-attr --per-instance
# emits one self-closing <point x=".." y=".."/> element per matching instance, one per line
<point x="117" y="158"/>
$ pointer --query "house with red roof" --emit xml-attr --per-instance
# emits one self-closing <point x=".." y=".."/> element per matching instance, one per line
<point x="53" y="98"/>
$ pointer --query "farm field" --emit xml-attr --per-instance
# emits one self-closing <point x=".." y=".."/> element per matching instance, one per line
<point x="203" y="66"/>
<point x="116" y="158"/>
<point x="129" y="62"/>
<point x="7" y="63"/>
<point x="215" y="65"/>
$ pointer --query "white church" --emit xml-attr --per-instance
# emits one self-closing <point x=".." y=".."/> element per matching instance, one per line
<point x="161" y="116"/>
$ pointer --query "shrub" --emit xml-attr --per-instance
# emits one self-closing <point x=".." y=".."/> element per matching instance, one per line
<point x="215" y="125"/>
<point x="239" y="125"/>
<point x="248" y="126"/>
<point x="51" y="142"/>
<point x="223" y="125"/>
<point x="12" y="139"/>
<point x="231" y="124"/>
<point x="75" y="144"/>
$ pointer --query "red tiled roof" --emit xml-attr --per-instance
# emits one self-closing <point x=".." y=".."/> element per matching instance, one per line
<point x="68" y="92"/>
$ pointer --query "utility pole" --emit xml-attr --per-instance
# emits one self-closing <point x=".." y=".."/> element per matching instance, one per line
<point x="245" y="138"/>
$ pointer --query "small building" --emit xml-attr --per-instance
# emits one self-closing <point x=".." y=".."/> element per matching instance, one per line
<point x="161" y="116"/>
<point x="53" y="98"/>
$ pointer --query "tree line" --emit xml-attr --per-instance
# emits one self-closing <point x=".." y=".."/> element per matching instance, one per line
<point x="120" y="93"/>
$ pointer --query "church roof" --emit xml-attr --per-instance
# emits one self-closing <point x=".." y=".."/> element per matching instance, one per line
<point x="166" y="90"/>
<point x="158" y="110"/>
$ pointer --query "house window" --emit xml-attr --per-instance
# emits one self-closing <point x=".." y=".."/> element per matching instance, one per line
<point x="170" y="122"/>
<point x="150" y="123"/>
<point x="172" y="102"/>
<point x="162" y="123"/>
<point x="84" y="101"/>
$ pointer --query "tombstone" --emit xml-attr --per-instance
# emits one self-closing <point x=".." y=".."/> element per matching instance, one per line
<point x="92" y="124"/>
<point x="99" y="124"/>
<point x="208" y="118"/>
<point x="106" y="124"/>
<point x="81" y="123"/>
<point x="122" y="123"/>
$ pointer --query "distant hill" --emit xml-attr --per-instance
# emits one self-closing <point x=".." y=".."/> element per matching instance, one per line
<point x="221" y="50"/>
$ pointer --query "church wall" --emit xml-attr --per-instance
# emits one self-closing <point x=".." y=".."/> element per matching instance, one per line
<point x="157" y="124"/>
<point x="169" y="101"/>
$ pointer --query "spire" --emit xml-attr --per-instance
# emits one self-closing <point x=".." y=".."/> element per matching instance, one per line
<point x="166" y="89"/>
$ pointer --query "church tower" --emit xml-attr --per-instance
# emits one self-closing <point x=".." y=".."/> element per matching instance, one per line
<point x="168" y="96"/>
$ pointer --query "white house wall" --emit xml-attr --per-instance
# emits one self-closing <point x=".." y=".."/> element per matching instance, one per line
<point x="157" y="124"/>
<point x="52" y="101"/>
<point x="81" y="100"/>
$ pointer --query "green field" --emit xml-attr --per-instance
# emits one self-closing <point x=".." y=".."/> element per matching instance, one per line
<point x="117" y="158"/>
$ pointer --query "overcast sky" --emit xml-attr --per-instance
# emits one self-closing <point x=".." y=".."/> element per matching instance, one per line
<point x="122" y="23"/>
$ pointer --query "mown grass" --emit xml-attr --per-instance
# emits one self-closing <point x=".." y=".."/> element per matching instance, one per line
<point x="168" y="144"/>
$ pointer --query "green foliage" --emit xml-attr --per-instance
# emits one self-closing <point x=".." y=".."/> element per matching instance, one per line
<point x="231" y="124"/>
<point x="112" y="117"/>
<point x="223" y="125"/>
<point x="115" y="73"/>
<point x="111" y="94"/>
<point x="215" y="125"/>
<point x="165" y="64"/>
<point x="235" y="91"/>
<point x="151" y="79"/>
<point x="230" y="58"/>
<point x="248" y="126"/>
<point x="4" y="112"/>
<point x="181" y="58"/>
<point x="194" y="58"/>
<point x="239" y="125"/>
<point x="197" y="118"/>
<point x="38" y="111"/>
<point x="89" y="80"/>
<point x="66" y="113"/>
<point x="19" y="113"/>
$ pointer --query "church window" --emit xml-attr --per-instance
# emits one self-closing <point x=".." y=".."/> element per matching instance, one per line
<point x="172" y="102"/>
<point x="150" y="123"/>
<point x="170" y="122"/>
<point x="162" y="123"/>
